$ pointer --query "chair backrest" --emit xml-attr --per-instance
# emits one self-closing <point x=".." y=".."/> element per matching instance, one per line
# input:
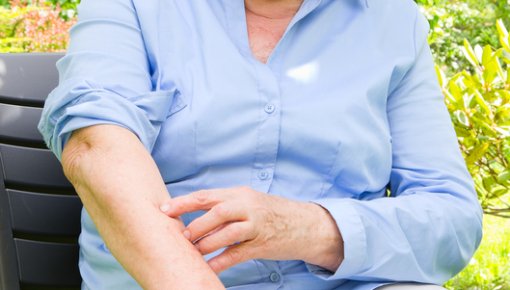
<point x="39" y="209"/>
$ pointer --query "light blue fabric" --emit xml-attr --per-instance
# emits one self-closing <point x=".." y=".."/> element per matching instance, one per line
<point x="347" y="104"/>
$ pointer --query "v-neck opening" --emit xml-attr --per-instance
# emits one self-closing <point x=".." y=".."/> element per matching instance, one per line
<point x="306" y="7"/>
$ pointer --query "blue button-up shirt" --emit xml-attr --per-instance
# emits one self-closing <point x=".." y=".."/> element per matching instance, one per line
<point x="347" y="104"/>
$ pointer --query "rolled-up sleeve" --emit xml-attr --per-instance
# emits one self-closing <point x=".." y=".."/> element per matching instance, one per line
<point x="106" y="77"/>
<point x="429" y="228"/>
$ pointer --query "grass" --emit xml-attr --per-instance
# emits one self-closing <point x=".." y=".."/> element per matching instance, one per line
<point x="490" y="267"/>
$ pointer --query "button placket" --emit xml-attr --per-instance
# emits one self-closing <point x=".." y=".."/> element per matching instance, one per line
<point x="268" y="130"/>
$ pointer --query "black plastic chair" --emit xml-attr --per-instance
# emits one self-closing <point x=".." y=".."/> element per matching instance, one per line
<point x="39" y="209"/>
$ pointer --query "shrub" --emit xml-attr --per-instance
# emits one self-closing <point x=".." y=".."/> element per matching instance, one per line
<point x="33" y="27"/>
<point x="453" y="21"/>
<point x="68" y="7"/>
<point x="479" y="102"/>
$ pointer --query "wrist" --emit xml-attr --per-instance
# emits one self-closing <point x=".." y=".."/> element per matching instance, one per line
<point x="326" y="243"/>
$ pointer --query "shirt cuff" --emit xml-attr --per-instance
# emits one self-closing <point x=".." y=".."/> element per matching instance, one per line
<point x="351" y="227"/>
<point x="141" y="115"/>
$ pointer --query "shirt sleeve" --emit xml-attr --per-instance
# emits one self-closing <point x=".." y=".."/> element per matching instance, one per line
<point x="429" y="228"/>
<point x="105" y="78"/>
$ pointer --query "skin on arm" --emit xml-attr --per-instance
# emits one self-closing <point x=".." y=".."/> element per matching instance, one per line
<point x="121" y="188"/>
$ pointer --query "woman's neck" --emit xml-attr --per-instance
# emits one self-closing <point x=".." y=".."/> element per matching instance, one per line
<point x="267" y="21"/>
<point x="273" y="9"/>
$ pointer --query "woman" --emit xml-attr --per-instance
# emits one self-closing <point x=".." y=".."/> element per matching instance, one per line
<point x="285" y="120"/>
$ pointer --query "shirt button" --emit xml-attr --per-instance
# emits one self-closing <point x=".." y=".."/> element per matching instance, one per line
<point x="274" y="277"/>
<point x="269" y="108"/>
<point x="263" y="175"/>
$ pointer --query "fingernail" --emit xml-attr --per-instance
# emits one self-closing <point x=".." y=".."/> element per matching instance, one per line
<point x="187" y="234"/>
<point x="164" y="207"/>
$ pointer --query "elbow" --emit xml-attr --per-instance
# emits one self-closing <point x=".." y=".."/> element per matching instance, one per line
<point x="73" y="155"/>
<point x="459" y="226"/>
<point x="469" y="232"/>
<point x="474" y="220"/>
<point x="470" y="219"/>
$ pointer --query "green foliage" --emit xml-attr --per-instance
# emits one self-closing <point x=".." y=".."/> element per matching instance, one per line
<point x="453" y="21"/>
<point x="67" y="7"/>
<point x="10" y="21"/>
<point x="479" y="102"/>
<point x="32" y="27"/>
<point x="490" y="267"/>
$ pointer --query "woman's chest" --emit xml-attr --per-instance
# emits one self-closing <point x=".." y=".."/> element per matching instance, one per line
<point x="314" y="116"/>
<point x="311" y="123"/>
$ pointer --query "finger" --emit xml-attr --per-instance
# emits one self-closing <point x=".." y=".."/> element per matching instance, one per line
<point x="221" y="214"/>
<point x="232" y="256"/>
<point x="198" y="200"/>
<point x="229" y="235"/>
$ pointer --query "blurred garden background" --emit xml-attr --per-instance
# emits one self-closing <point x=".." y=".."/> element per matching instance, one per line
<point x="471" y="46"/>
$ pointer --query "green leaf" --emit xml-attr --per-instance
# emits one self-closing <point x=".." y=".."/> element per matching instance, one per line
<point x="471" y="101"/>
<point x="490" y="73"/>
<point x="500" y="26"/>
<point x="471" y="81"/>
<point x="469" y="53"/>
<point x="463" y="132"/>
<point x="462" y="117"/>
<point x="502" y="114"/>
<point x="486" y="55"/>
<point x="504" y="95"/>
<point x="477" y="153"/>
<point x="498" y="190"/>
<point x="483" y="105"/>
<point x="508" y="76"/>
<point x="500" y="71"/>
<point x="504" y="176"/>
<point x="440" y="75"/>
<point x="456" y="93"/>
<point x="450" y="100"/>
<point x="502" y="34"/>
<point x="488" y="183"/>
<point x="485" y="127"/>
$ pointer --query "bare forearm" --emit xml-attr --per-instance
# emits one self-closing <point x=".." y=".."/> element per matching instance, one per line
<point x="121" y="188"/>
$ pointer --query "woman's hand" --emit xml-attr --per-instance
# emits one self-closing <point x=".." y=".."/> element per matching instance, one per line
<point x="255" y="225"/>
